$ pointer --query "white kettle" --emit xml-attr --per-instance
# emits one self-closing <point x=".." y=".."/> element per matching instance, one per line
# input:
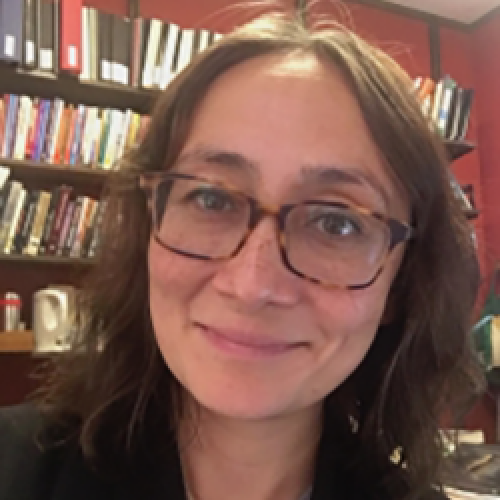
<point x="53" y="315"/>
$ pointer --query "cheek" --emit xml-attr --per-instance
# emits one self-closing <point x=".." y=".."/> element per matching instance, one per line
<point x="173" y="281"/>
<point x="348" y="322"/>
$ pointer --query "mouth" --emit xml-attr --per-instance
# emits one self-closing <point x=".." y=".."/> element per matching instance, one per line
<point x="246" y="345"/>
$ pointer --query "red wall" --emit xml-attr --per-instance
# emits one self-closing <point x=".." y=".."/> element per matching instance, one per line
<point x="405" y="39"/>
<point x="217" y="15"/>
<point x="485" y="42"/>
<point x="457" y="60"/>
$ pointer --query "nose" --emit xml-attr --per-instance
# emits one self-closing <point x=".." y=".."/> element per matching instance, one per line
<point x="256" y="276"/>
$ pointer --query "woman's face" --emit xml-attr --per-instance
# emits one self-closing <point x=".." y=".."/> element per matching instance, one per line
<point x="245" y="336"/>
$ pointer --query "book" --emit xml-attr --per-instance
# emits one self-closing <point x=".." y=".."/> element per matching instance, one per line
<point x="70" y="35"/>
<point x="120" y="44"/>
<point x="104" y="30"/>
<point x="48" y="35"/>
<point x="63" y="235"/>
<point x="36" y="232"/>
<point x="9" y="211"/>
<point x="60" y="210"/>
<point x="23" y="123"/>
<point x="44" y="111"/>
<point x="4" y="191"/>
<point x="95" y="238"/>
<point x="137" y="50"/>
<point x="26" y="223"/>
<point x="31" y="133"/>
<point x="85" y="45"/>
<point x="10" y="124"/>
<point x="444" y="112"/>
<point x="172" y="42"/>
<point x="11" y="39"/>
<point x="4" y="175"/>
<point x="49" y="220"/>
<point x="2" y="120"/>
<point x="155" y="30"/>
<point x="14" y="221"/>
<point x="186" y="48"/>
<point x="30" y="48"/>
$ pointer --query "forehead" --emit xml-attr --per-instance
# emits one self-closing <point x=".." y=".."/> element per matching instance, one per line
<point x="287" y="114"/>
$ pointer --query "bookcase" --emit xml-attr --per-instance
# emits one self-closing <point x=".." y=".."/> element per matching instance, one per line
<point x="26" y="274"/>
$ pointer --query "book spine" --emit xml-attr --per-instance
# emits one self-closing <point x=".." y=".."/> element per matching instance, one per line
<point x="70" y="35"/>
<point x="42" y="129"/>
<point x="15" y="220"/>
<point x="68" y="215"/>
<point x="38" y="224"/>
<point x="8" y="212"/>
<point x="96" y="228"/>
<point x="73" y="227"/>
<point x="58" y="220"/>
<point x="49" y="221"/>
<point x="30" y="136"/>
<point x="21" y="237"/>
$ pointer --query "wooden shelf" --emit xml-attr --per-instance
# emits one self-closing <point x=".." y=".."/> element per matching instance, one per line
<point x="21" y="341"/>
<point x="45" y="260"/>
<point x="472" y="214"/>
<point x="457" y="149"/>
<point x="71" y="89"/>
<point x="26" y="170"/>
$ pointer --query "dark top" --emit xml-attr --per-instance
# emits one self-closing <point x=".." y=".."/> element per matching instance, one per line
<point x="29" y="471"/>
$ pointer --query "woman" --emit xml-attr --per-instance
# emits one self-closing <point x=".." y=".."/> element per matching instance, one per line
<point x="281" y="304"/>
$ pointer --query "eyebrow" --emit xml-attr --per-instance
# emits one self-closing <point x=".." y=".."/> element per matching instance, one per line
<point x="343" y="175"/>
<point x="314" y="174"/>
<point x="222" y="158"/>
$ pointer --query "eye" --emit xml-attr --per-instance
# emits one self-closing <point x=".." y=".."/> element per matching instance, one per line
<point x="337" y="224"/>
<point x="211" y="199"/>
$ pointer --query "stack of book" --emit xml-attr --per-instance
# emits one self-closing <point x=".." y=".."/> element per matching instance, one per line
<point x="38" y="222"/>
<point x="49" y="131"/>
<point x="61" y="35"/>
<point x="447" y="104"/>
<point x="141" y="52"/>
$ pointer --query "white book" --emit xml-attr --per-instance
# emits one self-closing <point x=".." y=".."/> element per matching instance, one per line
<point x="93" y="42"/>
<point x="96" y="134"/>
<point x="4" y="175"/>
<point x="58" y="112"/>
<point x="8" y="211"/>
<point x="185" y="49"/>
<point x="151" y="51"/>
<point x="171" y="41"/>
<point x="116" y="122"/>
<point x="204" y="40"/>
<point x="15" y="220"/>
<point x="122" y="134"/>
<point x="436" y="105"/>
<point x="85" y="73"/>
<point x="23" y="123"/>
<point x="87" y="135"/>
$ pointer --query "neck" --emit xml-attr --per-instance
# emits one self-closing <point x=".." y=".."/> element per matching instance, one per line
<point x="263" y="459"/>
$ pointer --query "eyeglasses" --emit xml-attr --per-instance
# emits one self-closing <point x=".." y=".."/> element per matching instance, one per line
<point x="326" y="242"/>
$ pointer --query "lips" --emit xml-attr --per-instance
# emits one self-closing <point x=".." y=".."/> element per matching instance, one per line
<point x="244" y="344"/>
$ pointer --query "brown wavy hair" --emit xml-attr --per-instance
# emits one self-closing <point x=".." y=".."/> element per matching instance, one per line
<point x="113" y="389"/>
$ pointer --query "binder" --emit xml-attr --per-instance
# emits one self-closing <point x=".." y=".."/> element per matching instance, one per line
<point x="48" y="36"/>
<point x="120" y="44"/>
<point x="30" y="48"/>
<point x="70" y="26"/>
<point x="104" y="59"/>
<point x="11" y="19"/>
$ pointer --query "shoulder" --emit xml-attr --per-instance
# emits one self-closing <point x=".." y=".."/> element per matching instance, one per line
<point x="26" y="464"/>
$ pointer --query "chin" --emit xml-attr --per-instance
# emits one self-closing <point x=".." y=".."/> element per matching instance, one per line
<point x="242" y="400"/>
